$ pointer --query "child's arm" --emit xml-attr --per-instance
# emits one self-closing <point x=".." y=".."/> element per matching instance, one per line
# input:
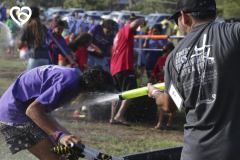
<point x="86" y="66"/>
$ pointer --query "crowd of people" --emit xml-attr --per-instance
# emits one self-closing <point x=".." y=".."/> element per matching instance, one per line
<point x="199" y="73"/>
<point x="87" y="44"/>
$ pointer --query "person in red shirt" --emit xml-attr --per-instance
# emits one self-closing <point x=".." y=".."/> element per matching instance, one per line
<point x="81" y="58"/>
<point x="122" y="67"/>
<point x="159" y="68"/>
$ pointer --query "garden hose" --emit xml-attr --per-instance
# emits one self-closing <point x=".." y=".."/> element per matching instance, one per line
<point x="103" y="156"/>
<point x="139" y="92"/>
<point x="73" y="153"/>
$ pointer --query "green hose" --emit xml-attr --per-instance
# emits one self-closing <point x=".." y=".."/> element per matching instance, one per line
<point x="139" y="92"/>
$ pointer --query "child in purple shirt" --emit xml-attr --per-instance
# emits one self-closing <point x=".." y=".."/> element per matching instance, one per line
<point x="25" y="120"/>
<point x="102" y="43"/>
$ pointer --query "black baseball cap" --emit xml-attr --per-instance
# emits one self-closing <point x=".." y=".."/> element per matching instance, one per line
<point x="189" y="6"/>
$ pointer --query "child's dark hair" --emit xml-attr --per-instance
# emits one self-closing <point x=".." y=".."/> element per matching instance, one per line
<point x="72" y="46"/>
<point x="111" y="25"/>
<point x="96" y="79"/>
<point x="83" y="39"/>
<point x="58" y="22"/>
<point x="158" y="26"/>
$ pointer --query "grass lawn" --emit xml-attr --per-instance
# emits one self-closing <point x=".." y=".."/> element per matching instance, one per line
<point x="99" y="134"/>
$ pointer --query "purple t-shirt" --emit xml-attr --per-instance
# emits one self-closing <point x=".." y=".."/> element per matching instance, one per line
<point x="52" y="85"/>
<point x="101" y="40"/>
<point x="54" y="50"/>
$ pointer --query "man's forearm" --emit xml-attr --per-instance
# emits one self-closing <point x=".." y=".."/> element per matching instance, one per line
<point x="55" y="123"/>
<point x="135" y="24"/>
<point x="165" y="105"/>
<point x="36" y="111"/>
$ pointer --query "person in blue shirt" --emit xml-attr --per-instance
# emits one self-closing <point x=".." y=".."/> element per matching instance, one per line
<point x="82" y="25"/>
<point x="121" y="24"/>
<point x="4" y="10"/>
<point x="153" y="56"/>
<point x="72" y="22"/>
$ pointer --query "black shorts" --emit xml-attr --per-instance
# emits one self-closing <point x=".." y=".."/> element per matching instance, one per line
<point x="125" y="80"/>
<point x="21" y="136"/>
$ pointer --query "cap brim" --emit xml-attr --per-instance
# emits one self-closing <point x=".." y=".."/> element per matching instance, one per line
<point x="174" y="16"/>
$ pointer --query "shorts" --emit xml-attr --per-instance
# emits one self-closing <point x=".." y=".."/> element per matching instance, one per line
<point x="24" y="56"/>
<point x="99" y="61"/>
<point x="21" y="136"/>
<point x="33" y="63"/>
<point x="125" y="80"/>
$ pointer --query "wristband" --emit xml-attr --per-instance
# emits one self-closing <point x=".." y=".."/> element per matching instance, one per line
<point x="57" y="134"/>
<point x="63" y="134"/>
<point x="156" y="90"/>
<point x="54" y="135"/>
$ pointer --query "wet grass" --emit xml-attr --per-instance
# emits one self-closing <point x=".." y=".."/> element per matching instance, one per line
<point x="120" y="140"/>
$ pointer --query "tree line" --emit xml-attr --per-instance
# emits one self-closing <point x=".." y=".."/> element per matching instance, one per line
<point x="225" y="8"/>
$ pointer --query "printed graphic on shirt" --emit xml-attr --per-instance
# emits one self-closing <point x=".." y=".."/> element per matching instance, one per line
<point x="50" y="67"/>
<point x="202" y="63"/>
<point x="115" y="43"/>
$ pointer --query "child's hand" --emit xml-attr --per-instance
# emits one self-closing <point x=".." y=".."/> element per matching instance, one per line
<point x="99" y="51"/>
<point x="91" y="50"/>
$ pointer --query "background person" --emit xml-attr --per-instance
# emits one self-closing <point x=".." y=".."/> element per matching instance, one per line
<point x="153" y="56"/>
<point x="122" y="67"/>
<point x="72" y="22"/>
<point x="102" y="43"/>
<point x="82" y="25"/>
<point x="196" y="68"/>
<point x="82" y="42"/>
<point x="3" y="9"/>
<point x="13" y="26"/>
<point x="169" y="28"/>
<point x="42" y="15"/>
<point x="54" y="49"/>
<point x="25" y="119"/>
<point x="178" y="32"/>
<point x="160" y="69"/>
<point x="122" y="23"/>
<point x="34" y="34"/>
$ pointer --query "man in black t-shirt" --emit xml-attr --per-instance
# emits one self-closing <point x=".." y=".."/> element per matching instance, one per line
<point x="202" y="75"/>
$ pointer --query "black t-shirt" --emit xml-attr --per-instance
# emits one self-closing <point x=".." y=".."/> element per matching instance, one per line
<point x="209" y="85"/>
<point x="41" y="52"/>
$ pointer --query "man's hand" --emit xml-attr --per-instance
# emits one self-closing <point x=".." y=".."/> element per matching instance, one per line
<point x="138" y="75"/>
<point x="67" y="139"/>
<point x="151" y="88"/>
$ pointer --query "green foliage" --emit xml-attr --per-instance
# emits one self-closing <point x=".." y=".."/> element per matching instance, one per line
<point x="89" y="4"/>
<point x="231" y="8"/>
<point x="154" y="6"/>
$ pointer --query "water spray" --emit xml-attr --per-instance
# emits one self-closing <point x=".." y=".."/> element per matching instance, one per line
<point x="139" y="92"/>
<point x="9" y="34"/>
